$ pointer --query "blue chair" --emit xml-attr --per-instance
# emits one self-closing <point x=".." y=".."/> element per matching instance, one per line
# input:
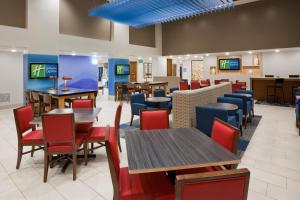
<point x="137" y="102"/>
<point x="248" y="92"/>
<point x="238" y="113"/>
<point x="205" y="116"/>
<point x="247" y="105"/>
<point x="161" y="93"/>
<point x="173" y="89"/>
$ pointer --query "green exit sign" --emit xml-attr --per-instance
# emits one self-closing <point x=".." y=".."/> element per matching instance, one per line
<point x="140" y="60"/>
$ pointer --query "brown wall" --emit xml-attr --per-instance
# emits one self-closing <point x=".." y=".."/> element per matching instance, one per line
<point x="13" y="13"/>
<point x="74" y="20"/>
<point x="264" y="24"/>
<point x="143" y="37"/>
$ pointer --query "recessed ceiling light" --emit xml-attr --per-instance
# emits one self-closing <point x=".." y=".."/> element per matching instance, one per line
<point x="73" y="53"/>
<point x="195" y="56"/>
<point x="150" y="58"/>
<point x="188" y="55"/>
<point x="207" y="54"/>
<point x="250" y="52"/>
<point x="202" y="57"/>
<point x="227" y="53"/>
<point x="179" y="57"/>
<point x="277" y="50"/>
<point x="171" y="57"/>
<point x="139" y="58"/>
<point x="13" y="50"/>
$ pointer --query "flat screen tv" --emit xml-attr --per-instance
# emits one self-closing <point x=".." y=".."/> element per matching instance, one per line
<point x="43" y="70"/>
<point x="122" y="69"/>
<point x="230" y="64"/>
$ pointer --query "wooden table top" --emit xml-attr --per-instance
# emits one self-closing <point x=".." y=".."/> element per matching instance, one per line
<point x="224" y="106"/>
<point x="158" y="99"/>
<point x="81" y="115"/>
<point x="173" y="149"/>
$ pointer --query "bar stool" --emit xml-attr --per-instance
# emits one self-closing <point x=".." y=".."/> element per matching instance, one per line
<point x="278" y="86"/>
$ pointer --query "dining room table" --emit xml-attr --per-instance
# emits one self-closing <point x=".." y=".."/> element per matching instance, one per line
<point x="174" y="149"/>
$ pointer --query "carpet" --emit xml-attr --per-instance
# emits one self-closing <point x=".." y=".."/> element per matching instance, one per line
<point x="243" y="143"/>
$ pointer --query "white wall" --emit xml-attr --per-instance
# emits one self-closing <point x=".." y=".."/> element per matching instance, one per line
<point x="11" y="77"/>
<point x="281" y="64"/>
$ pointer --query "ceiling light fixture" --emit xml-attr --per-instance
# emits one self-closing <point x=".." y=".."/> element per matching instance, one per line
<point x="250" y="52"/>
<point x="13" y="50"/>
<point x="207" y="55"/>
<point x="227" y="53"/>
<point x="277" y="50"/>
<point x="73" y="53"/>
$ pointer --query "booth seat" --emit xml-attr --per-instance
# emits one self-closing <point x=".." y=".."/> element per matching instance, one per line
<point x="205" y="116"/>
<point x="238" y="113"/>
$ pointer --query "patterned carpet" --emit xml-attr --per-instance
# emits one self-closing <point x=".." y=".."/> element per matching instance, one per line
<point x="244" y="140"/>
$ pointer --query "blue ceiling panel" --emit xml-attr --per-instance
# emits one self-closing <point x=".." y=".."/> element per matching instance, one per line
<point x="141" y="13"/>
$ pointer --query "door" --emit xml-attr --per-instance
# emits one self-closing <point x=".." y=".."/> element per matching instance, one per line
<point x="133" y="72"/>
<point x="169" y="67"/>
<point x="174" y="70"/>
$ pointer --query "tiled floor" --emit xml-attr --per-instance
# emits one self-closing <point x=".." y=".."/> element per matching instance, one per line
<point x="273" y="157"/>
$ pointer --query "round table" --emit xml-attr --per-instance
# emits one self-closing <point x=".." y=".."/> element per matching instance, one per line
<point x="158" y="100"/>
<point x="224" y="106"/>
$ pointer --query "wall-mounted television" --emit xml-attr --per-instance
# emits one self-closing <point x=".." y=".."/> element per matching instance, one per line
<point x="230" y="64"/>
<point x="43" y="70"/>
<point x="122" y="69"/>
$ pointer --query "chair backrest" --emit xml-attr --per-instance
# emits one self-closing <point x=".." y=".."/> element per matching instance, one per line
<point x="59" y="129"/>
<point x="137" y="98"/>
<point x="82" y="103"/>
<point x="217" y="82"/>
<point x="183" y="85"/>
<point x="35" y="96"/>
<point x="225" y="135"/>
<point x="225" y="184"/>
<point x="47" y="98"/>
<point x="236" y="86"/>
<point x="195" y="84"/>
<point x="159" y="93"/>
<point x="23" y="115"/>
<point x="154" y="119"/>
<point x="294" y="76"/>
<point x="112" y="151"/>
<point x="118" y="117"/>
<point x="279" y="81"/>
<point x="205" y="82"/>
<point x="269" y="76"/>
<point x="173" y="89"/>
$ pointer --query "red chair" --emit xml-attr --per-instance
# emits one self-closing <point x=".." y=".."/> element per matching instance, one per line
<point x="225" y="185"/>
<point x="224" y="134"/>
<point x="242" y="84"/>
<point x="60" y="139"/>
<point x="224" y="80"/>
<point x="204" y="83"/>
<point x="97" y="134"/>
<point x="235" y="87"/>
<point x="217" y="82"/>
<point x="195" y="84"/>
<point x="133" y="186"/>
<point x="183" y="85"/>
<point x="83" y="103"/>
<point x="27" y="135"/>
<point x="154" y="119"/>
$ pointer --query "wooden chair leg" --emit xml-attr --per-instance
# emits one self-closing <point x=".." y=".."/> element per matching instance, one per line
<point x="51" y="161"/>
<point x="74" y="158"/>
<point x="131" y="120"/>
<point x="86" y="150"/>
<point x="241" y="129"/>
<point x="32" y="151"/>
<point x="46" y="165"/>
<point x="20" y="151"/>
<point x="92" y="147"/>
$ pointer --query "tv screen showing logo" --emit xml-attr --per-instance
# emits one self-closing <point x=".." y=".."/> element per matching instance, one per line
<point x="43" y="70"/>
<point x="229" y="64"/>
<point x="122" y="69"/>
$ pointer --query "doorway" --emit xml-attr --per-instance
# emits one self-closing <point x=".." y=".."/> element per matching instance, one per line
<point x="133" y="72"/>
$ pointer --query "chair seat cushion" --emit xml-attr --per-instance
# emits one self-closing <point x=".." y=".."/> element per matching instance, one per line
<point x="83" y="127"/>
<point x="143" y="186"/>
<point x="98" y="134"/>
<point x="66" y="147"/>
<point x="33" y="137"/>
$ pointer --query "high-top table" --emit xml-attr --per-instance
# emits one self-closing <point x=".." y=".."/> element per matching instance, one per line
<point x="61" y="95"/>
<point x="173" y="149"/>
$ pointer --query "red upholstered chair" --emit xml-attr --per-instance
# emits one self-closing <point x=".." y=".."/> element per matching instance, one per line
<point x="60" y="138"/>
<point x="97" y="134"/>
<point x="225" y="185"/>
<point x="204" y="83"/>
<point x="217" y="82"/>
<point x="133" y="186"/>
<point x="225" y="135"/>
<point x="154" y="119"/>
<point x="242" y="84"/>
<point x="235" y="87"/>
<point x="183" y="85"/>
<point x="27" y="135"/>
<point x="83" y="103"/>
<point x="195" y="84"/>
